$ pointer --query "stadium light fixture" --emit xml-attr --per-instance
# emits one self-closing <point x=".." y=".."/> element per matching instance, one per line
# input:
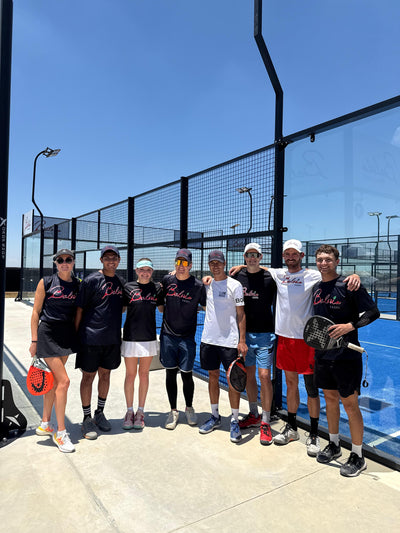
<point x="48" y="152"/>
<point x="242" y="190"/>
<point x="376" y="214"/>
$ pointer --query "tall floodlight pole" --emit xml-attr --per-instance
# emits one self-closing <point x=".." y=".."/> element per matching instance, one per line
<point x="280" y="145"/>
<point x="389" y="218"/>
<point x="242" y="190"/>
<point x="376" y="214"/>
<point x="48" y="152"/>
<point x="11" y="420"/>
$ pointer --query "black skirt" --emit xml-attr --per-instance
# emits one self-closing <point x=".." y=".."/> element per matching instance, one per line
<point x="56" y="339"/>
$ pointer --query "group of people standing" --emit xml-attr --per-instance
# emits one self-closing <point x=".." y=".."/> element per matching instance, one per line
<point x="243" y="314"/>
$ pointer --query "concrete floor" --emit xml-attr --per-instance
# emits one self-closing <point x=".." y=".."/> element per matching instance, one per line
<point x="158" y="481"/>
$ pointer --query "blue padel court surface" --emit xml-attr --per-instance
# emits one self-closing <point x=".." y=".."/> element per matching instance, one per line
<point x="379" y="402"/>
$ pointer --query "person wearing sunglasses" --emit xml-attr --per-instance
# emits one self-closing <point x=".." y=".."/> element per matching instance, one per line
<point x="183" y="294"/>
<point x="98" y="320"/>
<point x="54" y="339"/>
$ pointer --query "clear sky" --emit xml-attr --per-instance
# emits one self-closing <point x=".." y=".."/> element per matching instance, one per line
<point x="137" y="93"/>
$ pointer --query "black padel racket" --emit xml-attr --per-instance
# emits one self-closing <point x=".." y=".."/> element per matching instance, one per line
<point x="316" y="335"/>
<point x="237" y="375"/>
<point x="40" y="379"/>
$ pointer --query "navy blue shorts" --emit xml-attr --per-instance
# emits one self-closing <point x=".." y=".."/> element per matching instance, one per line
<point x="90" y="357"/>
<point x="177" y="352"/>
<point x="211" y="356"/>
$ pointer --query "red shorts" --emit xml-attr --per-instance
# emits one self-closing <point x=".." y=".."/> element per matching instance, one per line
<point x="294" y="355"/>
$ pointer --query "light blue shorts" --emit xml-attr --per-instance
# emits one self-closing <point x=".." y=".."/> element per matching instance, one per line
<point x="261" y="349"/>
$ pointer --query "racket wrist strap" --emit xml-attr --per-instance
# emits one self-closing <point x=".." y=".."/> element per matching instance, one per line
<point x="33" y="341"/>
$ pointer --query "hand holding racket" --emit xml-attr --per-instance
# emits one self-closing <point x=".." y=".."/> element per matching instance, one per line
<point x="237" y="375"/>
<point x="40" y="379"/>
<point x="316" y="335"/>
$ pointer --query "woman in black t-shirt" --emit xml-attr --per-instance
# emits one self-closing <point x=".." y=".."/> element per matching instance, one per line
<point x="139" y="343"/>
<point x="54" y="339"/>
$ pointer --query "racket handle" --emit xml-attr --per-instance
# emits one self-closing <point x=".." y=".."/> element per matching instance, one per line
<point x="355" y="347"/>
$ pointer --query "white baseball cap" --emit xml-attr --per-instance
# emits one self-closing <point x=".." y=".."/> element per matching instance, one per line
<point x="253" y="246"/>
<point x="294" y="244"/>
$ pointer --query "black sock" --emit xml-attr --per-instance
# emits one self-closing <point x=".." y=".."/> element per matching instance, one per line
<point x="314" y="426"/>
<point x="101" y="402"/>
<point x="172" y="387"/>
<point x="292" y="420"/>
<point x="87" y="411"/>
<point x="188" y="387"/>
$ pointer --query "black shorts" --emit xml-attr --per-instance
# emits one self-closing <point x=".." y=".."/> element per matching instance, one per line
<point x="211" y="356"/>
<point x="56" y="339"/>
<point x="90" y="358"/>
<point x="343" y="375"/>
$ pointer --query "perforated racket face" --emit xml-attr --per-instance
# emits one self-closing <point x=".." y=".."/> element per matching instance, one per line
<point x="316" y="333"/>
<point x="237" y="376"/>
<point x="39" y="381"/>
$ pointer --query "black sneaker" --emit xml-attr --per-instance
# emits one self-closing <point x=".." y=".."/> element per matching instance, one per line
<point x="101" y="421"/>
<point x="353" y="466"/>
<point x="329" y="453"/>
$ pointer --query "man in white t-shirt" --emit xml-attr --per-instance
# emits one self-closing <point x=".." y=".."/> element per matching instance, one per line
<point x="224" y="336"/>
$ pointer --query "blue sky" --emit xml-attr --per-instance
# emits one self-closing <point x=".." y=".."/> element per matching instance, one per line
<point x="138" y="93"/>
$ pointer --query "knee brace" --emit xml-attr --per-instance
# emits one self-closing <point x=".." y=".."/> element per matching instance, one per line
<point x="312" y="390"/>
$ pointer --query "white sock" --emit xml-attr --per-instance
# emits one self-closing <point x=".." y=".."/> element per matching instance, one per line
<point x="140" y="409"/>
<point x="61" y="433"/>
<point x="235" y="414"/>
<point x="253" y="408"/>
<point x="214" y="410"/>
<point x="44" y="424"/>
<point x="266" y="417"/>
<point x="334" y="437"/>
<point x="357" y="449"/>
<point x="130" y="408"/>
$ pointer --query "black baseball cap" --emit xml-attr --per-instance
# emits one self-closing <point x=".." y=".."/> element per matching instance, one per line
<point x="216" y="255"/>
<point x="110" y="248"/>
<point x="63" y="251"/>
<point x="185" y="253"/>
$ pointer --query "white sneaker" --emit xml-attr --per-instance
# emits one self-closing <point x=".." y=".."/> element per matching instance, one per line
<point x="288" y="434"/>
<point x="313" y="445"/>
<point x="63" y="442"/>
<point x="191" y="416"/>
<point x="172" y="420"/>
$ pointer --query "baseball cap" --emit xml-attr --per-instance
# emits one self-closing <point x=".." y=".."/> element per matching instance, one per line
<point x="253" y="246"/>
<point x="63" y="251"/>
<point x="185" y="253"/>
<point x="293" y="243"/>
<point x="216" y="255"/>
<point x="110" y="248"/>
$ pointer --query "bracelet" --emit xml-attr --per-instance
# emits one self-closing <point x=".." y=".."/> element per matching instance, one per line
<point x="33" y="341"/>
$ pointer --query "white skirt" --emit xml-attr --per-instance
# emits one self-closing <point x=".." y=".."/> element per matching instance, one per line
<point x="138" y="349"/>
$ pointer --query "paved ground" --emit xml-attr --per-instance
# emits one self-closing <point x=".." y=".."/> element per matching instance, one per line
<point x="158" y="481"/>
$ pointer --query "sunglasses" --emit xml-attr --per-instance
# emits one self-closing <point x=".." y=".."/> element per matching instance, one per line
<point x="182" y="262"/>
<point x="60" y="260"/>
<point x="252" y="254"/>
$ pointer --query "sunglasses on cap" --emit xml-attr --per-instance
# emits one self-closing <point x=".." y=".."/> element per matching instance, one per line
<point x="60" y="260"/>
<point x="182" y="262"/>
<point x="252" y="254"/>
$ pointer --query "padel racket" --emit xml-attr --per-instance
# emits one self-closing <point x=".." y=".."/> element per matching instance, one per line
<point x="316" y="335"/>
<point x="40" y="379"/>
<point x="237" y="375"/>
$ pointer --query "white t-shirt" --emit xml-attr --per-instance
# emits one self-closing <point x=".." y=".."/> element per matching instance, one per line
<point x="220" y="323"/>
<point x="294" y="300"/>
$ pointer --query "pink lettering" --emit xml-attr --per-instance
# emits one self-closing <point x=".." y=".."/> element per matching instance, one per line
<point x="57" y="293"/>
<point x="109" y="291"/>
<point x="172" y="291"/>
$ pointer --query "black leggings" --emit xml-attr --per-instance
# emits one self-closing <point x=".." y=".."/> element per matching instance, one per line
<point x="172" y="387"/>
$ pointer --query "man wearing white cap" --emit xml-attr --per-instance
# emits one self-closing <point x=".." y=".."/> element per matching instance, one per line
<point x="293" y="308"/>
<point x="259" y="291"/>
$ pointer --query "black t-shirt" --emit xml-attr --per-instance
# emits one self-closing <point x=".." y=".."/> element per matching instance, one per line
<point x="182" y="299"/>
<point x="259" y="290"/>
<point x="141" y="301"/>
<point x="60" y="301"/>
<point x="333" y="300"/>
<point x="100" y="297"/>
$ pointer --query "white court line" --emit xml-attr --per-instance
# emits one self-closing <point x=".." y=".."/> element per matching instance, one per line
<point x="384" y="439"/>
<point x="383" y="345"/>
